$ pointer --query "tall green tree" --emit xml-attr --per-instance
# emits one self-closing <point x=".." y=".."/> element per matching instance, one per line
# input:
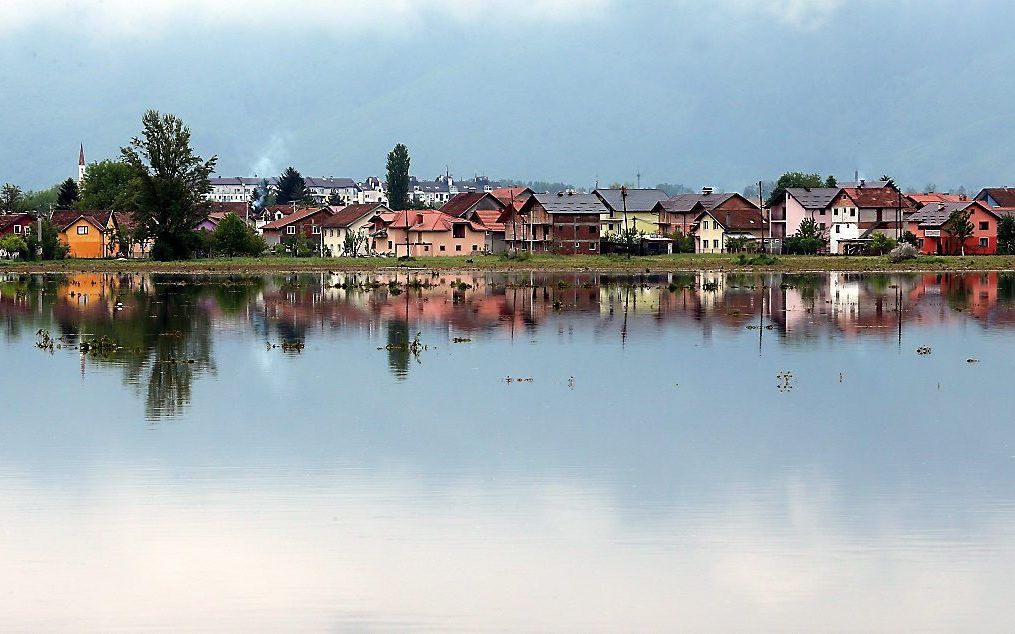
<point x="11" y="198"/>
<point x="793" y="179"/>
<point x="173" y="184"/>
<point x="959" y="228"/>
<point x="233" y="238"/>
<point x="291" y="188"/>
<point x="68" y="194"/>
<point x="110" y="185"/>
<point x="831" y="182"/>
<point x="1006" y="235"/>
<point x="398" y="178"/>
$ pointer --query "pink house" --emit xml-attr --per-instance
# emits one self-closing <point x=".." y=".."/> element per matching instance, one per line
<point x="801" y="203"/>
<point x="430" y="233"/>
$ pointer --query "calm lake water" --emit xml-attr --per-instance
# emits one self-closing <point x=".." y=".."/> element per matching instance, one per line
<point x="821" y="452"/>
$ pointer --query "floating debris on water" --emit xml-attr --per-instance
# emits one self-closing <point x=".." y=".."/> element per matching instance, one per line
<point x="923" y="350"/>
<point x="511" y="379"/>
<point x="785" y="381"/>
<point x="461" y="340"/>
<point x="972" y="360"/>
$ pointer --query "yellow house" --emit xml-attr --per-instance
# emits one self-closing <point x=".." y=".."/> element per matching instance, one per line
<point x="86" y="233"/>
<point x="641" y="211"/>
<point x="713" y="228"/>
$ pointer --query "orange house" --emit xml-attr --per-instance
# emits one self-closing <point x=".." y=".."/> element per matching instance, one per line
<point x="430" y="233"/>
<point x="929" y="224"/>
<point x="86" y="233"/>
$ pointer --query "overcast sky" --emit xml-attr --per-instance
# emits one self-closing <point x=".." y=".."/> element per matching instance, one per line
<point x="717" y="92"/>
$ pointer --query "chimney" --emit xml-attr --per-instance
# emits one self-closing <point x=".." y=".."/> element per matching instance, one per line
<point x="707" y="191"/>
<point x="419" y="218"/>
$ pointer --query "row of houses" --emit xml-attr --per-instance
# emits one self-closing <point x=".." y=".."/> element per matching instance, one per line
<point x="87" y="234"/>
<point x="570" y="222"/>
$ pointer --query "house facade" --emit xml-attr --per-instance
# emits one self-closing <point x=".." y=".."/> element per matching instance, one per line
<point x="484" y="209"/>
<point x="799" y="204"/>
<point x="306" y="221"/>
<point x="641" y="212"/>
<point x="18" y="224"/>
<point x="567" y="223"/>
<point x="352" y="219"/>
<point x="713" y="228"/>
<point x="86" y="233"/>
<point x="929" y="224"/>
<point x="425" y="233"/>
<point x="679" y="213"/>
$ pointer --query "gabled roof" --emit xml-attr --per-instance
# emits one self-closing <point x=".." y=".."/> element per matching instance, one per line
<point x="330" y="183"/>
<point x="685" y="203"/>
<point x="813" y="197"/>
<point x="424" y="220"/>
<point x="7" y="220"/>
<point x="1003" y="196"/>
<point x="936" y="214"/>
<point x="935" y="197"/>
<point x="506" y="194"/>
<point x="300" y="214"/>
<point x="637" y="199"/>
<point x="737" y="219"/>
<point x="868" y="197"/>
<point x="66" y="217"/>
<point x="490" y="219"/>
<point x="569" y="203"/>
<point x="343" y="217"/>
<point x="462" y="203"/>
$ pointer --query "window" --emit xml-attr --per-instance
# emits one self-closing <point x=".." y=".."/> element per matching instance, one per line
<point x="822" y="212"/>
<point x="475" y="247"/>
<point x="83" y="230"/>
<point x="919" y="243"/>
<point x="592" y="247"/>
<point x="577" y="246"/>
<point x="984" y="226"/>
<point x="291" y="229"/>
<point x="852" y="212"/>
<point x="458" y="231"/>
<point x="821" y="226"/>
<point x="704" y="224"/>
<point x="715" y="244"/>
<point x="426" y="247"/>
<point x="316" y="230"/>
<point x="442" y="247"/>
<point x="983" y="243"/>
<point x="592" y="230"/>
<point x="838" y="228"/>
<point x="458" y="247"/>
<point x="389" y="244"/>
<point x="17" y="228"/>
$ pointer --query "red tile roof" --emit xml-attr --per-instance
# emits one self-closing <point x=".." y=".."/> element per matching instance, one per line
<point x="424" y="220"/>
<point x="934" y="197"/>
<point x="877" y="198"/>
<point x="491" y="219"/>
<point x="506" y="194"/>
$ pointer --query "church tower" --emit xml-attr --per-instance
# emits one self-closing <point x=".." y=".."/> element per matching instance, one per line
<point x="81" y="164"/>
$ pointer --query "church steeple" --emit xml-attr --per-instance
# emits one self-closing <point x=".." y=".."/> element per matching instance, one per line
<point x="81" y="164"/>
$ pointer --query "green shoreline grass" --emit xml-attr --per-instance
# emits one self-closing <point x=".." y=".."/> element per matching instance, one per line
<point x="496" y="263"/>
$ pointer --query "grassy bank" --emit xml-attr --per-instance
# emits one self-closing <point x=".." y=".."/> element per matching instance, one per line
<point x="659" y="263"/>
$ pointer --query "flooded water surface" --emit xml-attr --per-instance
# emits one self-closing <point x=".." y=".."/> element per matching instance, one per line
<point x="524" y="452"/>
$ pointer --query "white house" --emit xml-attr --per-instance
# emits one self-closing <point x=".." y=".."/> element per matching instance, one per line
<point x="351" y="219"/>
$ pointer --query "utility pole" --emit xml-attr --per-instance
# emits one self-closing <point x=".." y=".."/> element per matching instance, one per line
<point x="761" y="199"/>
<point x="627" y="236"/>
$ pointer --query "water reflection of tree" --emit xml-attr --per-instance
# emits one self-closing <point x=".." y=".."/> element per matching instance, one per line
<point x="398" y="347"/>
